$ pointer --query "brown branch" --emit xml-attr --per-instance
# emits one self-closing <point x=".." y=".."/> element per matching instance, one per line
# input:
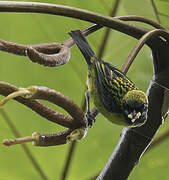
<point x="46" y="54"/>
<point x="39" y="108"/>
<point x="49" y="54"/>
<point x="139" y="45"/>
<point x="141" y="19"/>
<point x="76" y="122"/>
<point x="52" y="57"/>
<point x="53" y="139"/>
<point x="57" y="54"/>
<point x="55" y="97"/>
<point x="54" y="9"/>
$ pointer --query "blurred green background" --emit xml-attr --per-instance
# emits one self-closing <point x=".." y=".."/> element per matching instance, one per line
<point x="91" y="153"/>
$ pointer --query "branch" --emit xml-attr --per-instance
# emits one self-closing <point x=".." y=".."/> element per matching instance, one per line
<point x="76" y="122"/>
<point x="114" y="23"/>
<point x="139" y="45"/>
<point x="141" y="19"/>
<point x="56" y="54"/>
<point x="46" y="112"/>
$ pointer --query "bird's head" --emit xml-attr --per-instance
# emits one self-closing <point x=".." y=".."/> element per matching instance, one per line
<point x="135" y="107"/>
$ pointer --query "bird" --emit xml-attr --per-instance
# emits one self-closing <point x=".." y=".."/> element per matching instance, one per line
<point x="113" y="94"/>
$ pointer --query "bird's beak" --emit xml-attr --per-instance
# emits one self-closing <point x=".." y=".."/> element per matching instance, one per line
<point x="133" y="116"/>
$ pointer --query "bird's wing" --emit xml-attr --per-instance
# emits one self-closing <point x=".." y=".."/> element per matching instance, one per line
<point x="117" y="78"/>
<point x="112" y="85"/>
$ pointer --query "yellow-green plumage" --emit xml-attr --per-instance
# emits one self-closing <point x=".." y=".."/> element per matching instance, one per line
<point x="113" y="93"/>
<point x="125" y="86"/>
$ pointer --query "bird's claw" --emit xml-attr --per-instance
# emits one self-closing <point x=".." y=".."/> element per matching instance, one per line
<point x="90" y="119"/>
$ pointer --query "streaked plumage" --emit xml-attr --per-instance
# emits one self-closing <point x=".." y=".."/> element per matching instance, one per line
<point x="113" y="93"/>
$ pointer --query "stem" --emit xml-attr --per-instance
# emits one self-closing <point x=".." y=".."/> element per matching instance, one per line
<point x="141" y="19"/>
<point x="107" y="31"/>
<point x="140" y="44"/>
<point x="39" y="108"/>
<point x="155" y="11"/>
<point x="21" y="140"/>
<point x="45" y="8"/>
<point x="30" y="156"/>
<point x="101" y="20"/>
<point x="69" y="157"/>
<point x="59" y="99"/>
<point x="72" y="148"/>
<point x="13" y="95"/>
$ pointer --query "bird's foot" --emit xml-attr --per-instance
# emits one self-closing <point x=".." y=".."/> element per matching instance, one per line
<point x="90" y="119"/>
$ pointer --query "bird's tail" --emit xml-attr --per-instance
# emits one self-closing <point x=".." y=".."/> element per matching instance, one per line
<point x="83" y="45"/>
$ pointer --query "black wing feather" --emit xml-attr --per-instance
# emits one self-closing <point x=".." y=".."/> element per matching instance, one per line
<point x="111" y="89"/>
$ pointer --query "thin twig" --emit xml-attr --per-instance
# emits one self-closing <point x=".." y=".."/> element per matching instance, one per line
<point x="162" y="14"/>
<point x="141" y="19"/>
<point x="108" y="30"/>
<point x="159" y="140"/>
<point x="30" y="156"/>
<point x="155" y="11"/>
<point x="47" y="54"/>
<point x="71" y="149"/>
<point x="140" y="44"/>
<point x="68" y="160"/>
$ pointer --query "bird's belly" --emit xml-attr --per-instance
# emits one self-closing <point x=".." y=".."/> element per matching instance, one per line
<point x="116" y="118"/>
